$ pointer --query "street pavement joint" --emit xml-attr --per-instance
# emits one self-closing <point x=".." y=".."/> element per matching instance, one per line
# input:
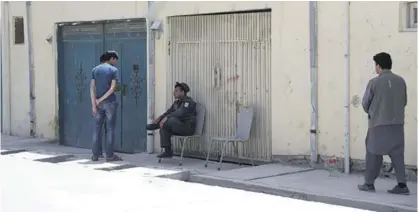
<point x="56" y="159"/>
<point x="278" y="175"/>
<point x="118" y="168"/>
<point x="9" y="152"/>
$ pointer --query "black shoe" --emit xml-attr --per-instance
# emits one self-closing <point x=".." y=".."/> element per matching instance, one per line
<point x="114" y="158"/>
<point x="95" y="158"/>
<point x="365" y="187"/>
<point x="165" y="155"/>
<point x="399" y="190"/>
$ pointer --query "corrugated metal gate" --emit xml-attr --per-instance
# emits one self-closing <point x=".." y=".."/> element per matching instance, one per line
<point x="79" y="49"/>
<point x="226" y="60"/>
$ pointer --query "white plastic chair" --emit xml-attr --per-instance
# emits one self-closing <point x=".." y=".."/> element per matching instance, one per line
<point x="245" y="118"/>
<point x="200" y="122"/>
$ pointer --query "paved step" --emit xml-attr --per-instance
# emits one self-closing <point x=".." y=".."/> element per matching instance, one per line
<point x="69" y="160"/>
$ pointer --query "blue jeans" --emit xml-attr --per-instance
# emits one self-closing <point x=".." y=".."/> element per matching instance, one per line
<point x="106" y="111"/>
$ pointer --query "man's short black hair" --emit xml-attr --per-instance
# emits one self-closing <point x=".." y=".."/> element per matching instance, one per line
<point x="384" y="60"/>
<point x="109" y="55"/>
<point x="102" y="58"/>
<point x="183" y="86"/>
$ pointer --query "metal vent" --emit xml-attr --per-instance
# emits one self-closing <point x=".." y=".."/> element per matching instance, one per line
<point x="92" y="29"/>
<point x="126" y="27"/>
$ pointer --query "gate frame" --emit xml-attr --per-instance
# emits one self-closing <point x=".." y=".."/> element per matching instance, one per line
<point x="57" y="27"/>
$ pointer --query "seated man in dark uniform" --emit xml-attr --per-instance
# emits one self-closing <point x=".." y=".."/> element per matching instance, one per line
<point x="179" y="119"/>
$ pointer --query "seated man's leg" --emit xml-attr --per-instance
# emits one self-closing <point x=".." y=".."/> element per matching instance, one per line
<point x="165" y="142"/>
<point x="178" y="128"/>
<point x="173" y="126"/>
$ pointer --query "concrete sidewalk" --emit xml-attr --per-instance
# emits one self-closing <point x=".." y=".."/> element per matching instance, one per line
<point x="312" y="185"/>
<point x="142" y="164"/>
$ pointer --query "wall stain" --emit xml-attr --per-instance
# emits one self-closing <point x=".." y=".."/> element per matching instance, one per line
<point x="324" y="148"/>
<point x="301" y="125"/>
<point x="290" y="87"/>
<point x="367" y="21"/>
<point x="54" y="123"/>
<point x="234" y="78"/>
<point x="355" y="100"/>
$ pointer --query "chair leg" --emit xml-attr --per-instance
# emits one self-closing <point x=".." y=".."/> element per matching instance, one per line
<point x="159" y="159"/>
<point x="222" y="154"/>
<point x="207" y="157"/>
<point x="236" y="146"/>
<point x="183" y="144"/>
<point x="252" y="160"/>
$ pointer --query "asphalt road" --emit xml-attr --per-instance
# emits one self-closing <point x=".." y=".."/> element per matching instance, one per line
<point x="28" y="186"/>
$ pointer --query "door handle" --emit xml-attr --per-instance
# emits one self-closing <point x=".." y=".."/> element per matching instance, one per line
<point x="217" y="77"/>
<point x="123" y="89"/>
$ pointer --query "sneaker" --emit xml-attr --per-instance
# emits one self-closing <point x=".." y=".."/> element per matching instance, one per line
<point x="366" y="187"/>
<point x="113" y="158"/>
<point x="165" y="155"/>
<point x="399" y="190"/>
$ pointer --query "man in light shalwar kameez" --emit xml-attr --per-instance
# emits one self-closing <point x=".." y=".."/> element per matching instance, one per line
<point x="384" y="102"/>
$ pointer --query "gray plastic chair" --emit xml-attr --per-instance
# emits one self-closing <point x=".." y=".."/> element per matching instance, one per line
<point x="200" y="122"/>
<point x="245" y="118"/>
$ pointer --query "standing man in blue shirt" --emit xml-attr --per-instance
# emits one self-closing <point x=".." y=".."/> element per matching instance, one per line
<point x="104" y="104"/>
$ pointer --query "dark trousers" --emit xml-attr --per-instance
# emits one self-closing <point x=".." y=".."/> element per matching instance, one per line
<point x="374" y="164"/>
<point x="173" y="126"/>
<point x="106" y="111"/>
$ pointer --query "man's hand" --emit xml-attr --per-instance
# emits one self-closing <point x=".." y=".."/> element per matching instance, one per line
<point x="162" y="122"/>
<point x="155" y="121"/>
<point x="94" y="110"/>
<point x="98" y="101"/>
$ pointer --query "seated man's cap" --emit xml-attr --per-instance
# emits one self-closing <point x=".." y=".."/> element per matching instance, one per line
<point x="184" y="86"/>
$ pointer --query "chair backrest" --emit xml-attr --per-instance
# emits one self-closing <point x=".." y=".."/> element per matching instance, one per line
<point x="245" y="119"/>
<point x="200" y="119"/>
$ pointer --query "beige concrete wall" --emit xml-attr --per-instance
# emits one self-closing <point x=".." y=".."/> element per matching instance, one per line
<point x="16" y="90"/>
<point x="374" y="28"/>
<point x="374" y="32"/>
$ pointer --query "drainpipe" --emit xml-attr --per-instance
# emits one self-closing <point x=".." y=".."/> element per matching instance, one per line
<point x="1" y="67"/>
<point x="6" y="119"/>
<point x="151" y="81"/>
<point x="31" y="74"/>
<point x="313" y="43"/>
<point x="347" y="88"/>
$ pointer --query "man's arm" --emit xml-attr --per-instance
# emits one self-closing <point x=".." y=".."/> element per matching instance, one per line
<point x="111" y="89"/>
<point x="187" y="107"/>
<point x="406" y="94"/>
<point x="169" y="111"/>
<point x="368" y="97"/>
<point x="93" y="90"/>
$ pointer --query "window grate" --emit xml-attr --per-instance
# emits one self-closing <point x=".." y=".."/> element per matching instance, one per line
<point x="411" y="14"/>
<point x="19" y="30"/>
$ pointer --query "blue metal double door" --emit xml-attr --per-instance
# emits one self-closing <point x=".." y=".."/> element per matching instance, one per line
<point x="79" y="49"/>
